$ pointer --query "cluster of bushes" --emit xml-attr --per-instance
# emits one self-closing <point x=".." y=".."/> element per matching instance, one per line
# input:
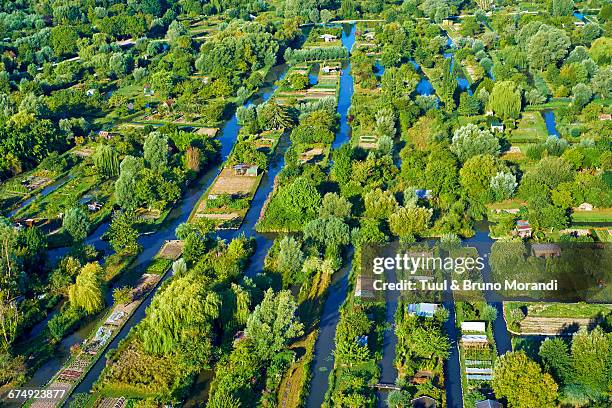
<point x="315" y="54"/>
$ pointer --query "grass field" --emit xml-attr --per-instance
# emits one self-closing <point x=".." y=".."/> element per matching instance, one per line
<point x="531" y="129"/>
<point x="577" y="310"/>
<point x="597" y="215"/>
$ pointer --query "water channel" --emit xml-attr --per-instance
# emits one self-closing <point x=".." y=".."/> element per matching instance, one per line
<point x="323" y="361"/>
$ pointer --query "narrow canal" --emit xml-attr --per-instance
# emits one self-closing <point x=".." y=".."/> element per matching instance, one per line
<point x="452" y="366"/>
<point x="323" y="361"/>
<point x="550" y="121"/>
<point x="483" y="242"/>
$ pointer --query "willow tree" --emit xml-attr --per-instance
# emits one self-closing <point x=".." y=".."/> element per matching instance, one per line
<point x="505" y="100"/>
<point x="106" y="160"/>
<point x="274" y="116"/>
<point x="183" y="310"/>
<point x="87" y="293"/>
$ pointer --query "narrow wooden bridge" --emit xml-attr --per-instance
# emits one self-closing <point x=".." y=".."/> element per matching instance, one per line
<point x="386" y="386"/>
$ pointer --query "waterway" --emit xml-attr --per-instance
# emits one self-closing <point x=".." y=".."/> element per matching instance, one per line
<point x="323" y="361"/>
<point x="424" y="87"/>
<point x="483" y="242"/>
<point x="551" y="123"/>
<point x="388" y="372"/>
<point x="462" y="83"/>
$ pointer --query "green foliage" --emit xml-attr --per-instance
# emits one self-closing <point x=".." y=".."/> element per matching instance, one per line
<point x="64" y="40"/>
<point x="505" y="100"/>
<point x="76" y="223"/>
<point x="273" y="323"/>
<point x="65" y="321"/>
<point x="547" y="46"/>
<point x="183" y="309"/>
<point x="470" y="141"/>
<point x="315" y="54"/>
<point x="521" y="381"/>
<point x="156" y="151"/>
<point x="329" y="232"/>
<point x="503" y="185"/>
<point x="125" y="186"/>
<point x="379" y="204"/>
<point x="591" y="353"/>
<point x="290" y="259"/>
<point x="334" y="205"/>
<point x="293" y="206"/>
<point x="88" y="291"/>
<point x="410" y="222"/>
<point x="122" y="234"/>
<point x="106" y="160"/>
<point x="556" y="360"/>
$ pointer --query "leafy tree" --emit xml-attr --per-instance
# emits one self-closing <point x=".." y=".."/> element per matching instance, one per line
<point x="488" y="313"/>
<point x="334" y="205"/>
<point x="274" y="116"/>
<point x="106" y="160"/>
<point x="379" y="204"/>
<point x="180" y="313"/>
<point x="557" y="360"/>
<point x="503" y="185"/>
<point x="582" y="95"/>
<point x="294" y="205"/>
<point x="450" y="241"/>
<point x="87" y="293"/>
<point x="331" y="232"/>
<point x="475" y="177"/>
<point x="290" y="259"/>
<point x="162" y="83"/>
<point x="64" y="40"/>
<point x="600" y="50"/>
<point x="122" y="234"/>
<point x="399" y="82"/>
<point x="156" y="151"/>
<point x="122" y="296"/>
<point x="125" y="186"/>
<point x="273" y="323"/>
<point x="521" y="381"/>
<point x="591" y="352"/>
<point x="76" y="223"/>
<point x="179" y="267"/>
<point x="9" y="272"/>
<point x="429" y="343"/>
<point x="561" y="7"/>
<point x="505" y="100"/>
<point x="547" y="46"/>
<point x="602" y="82"/>
<point x="407" y="223"/>
<point x="326" y="16"/>
<point x="470" y="141"/>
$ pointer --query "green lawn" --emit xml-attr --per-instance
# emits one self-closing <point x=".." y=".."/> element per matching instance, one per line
<point x="576" y="310"/>
<point x="597" y="215"/>
<point x="531" y="128"/>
